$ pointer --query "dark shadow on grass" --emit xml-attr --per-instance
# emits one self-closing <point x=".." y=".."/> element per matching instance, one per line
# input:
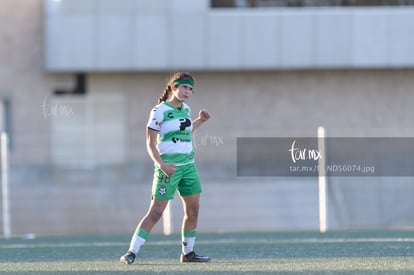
<point x="308" y="272"/>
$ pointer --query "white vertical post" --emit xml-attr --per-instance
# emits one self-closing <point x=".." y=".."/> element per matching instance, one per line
<point x="167" y="219"/>
<point x="323" y="215"/>
<point x="5" y="186"/>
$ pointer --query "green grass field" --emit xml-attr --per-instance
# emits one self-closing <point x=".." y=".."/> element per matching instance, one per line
<point x="344" y="252"/>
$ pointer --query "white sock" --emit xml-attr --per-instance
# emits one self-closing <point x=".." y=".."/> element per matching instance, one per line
<point x="188" y="244"/>
<point x="136" y="244"/>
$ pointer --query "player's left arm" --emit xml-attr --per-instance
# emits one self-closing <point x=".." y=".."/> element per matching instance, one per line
<point x="203" y="116"/>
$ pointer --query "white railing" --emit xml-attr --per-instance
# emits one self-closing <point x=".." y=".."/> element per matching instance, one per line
<point x="6" y="220"/>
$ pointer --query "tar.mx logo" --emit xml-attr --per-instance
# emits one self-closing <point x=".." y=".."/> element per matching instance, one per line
<point x="53" y="110"/>
<point x="303" y="153"/>
<point x="207" y="140"/>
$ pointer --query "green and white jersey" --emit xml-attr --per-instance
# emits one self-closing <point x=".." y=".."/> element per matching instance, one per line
<point x="175" y="138"/>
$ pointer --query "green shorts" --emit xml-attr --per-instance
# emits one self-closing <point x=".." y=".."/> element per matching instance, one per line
<point x="185" y="179"/>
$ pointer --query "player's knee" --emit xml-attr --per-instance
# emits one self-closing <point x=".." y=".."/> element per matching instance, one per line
<point x="192" y="213"/>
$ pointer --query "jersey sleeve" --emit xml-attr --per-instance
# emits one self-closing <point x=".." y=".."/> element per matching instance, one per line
<point x="155" y="119"/>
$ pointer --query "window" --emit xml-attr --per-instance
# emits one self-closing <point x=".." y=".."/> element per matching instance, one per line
<point x="306" y="3"/>
<point x="80" y="86"/>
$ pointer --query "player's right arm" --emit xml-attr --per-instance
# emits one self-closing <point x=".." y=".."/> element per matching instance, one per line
<point x="168" y="169"/>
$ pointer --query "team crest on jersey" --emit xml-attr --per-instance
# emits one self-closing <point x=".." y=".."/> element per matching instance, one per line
<point x="163" y="190"/>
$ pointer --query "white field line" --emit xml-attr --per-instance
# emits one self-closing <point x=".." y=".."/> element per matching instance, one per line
<point x="211" y="242"/>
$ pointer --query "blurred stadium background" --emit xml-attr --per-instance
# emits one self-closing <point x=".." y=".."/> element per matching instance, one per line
<point x="79" y="77"/>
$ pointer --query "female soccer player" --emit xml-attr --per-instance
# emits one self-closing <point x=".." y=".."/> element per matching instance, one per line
<point x="169" y="144"/>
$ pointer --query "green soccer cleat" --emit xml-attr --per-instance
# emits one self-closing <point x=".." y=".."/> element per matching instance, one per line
<point x="194" y="258"/>
<point x="128" y="258"/>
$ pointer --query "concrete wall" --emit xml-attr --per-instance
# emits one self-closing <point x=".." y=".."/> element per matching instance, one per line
<point x="282" y="104"/>
<point x="111" y="198"/>
<point x="98" y="35"/>
<point x="23" y="80"/>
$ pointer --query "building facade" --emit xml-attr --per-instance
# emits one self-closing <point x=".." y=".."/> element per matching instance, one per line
<point x="78" y="79"/>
